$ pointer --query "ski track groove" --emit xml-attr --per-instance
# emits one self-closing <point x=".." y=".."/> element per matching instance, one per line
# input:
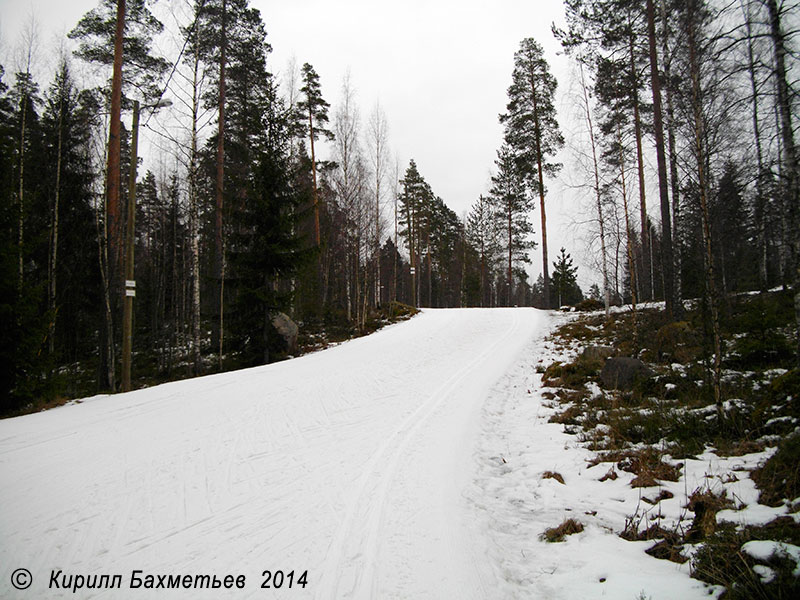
<point x="365" y="581"/>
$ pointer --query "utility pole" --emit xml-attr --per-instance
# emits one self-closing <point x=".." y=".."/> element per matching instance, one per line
<point x="130" y="283"/>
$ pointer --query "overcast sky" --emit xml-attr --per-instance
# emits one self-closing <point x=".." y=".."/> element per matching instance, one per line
<point x="439" y="68"/>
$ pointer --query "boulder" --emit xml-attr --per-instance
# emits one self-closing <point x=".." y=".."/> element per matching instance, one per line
<point x="622" y="372"/>
<point x="287" y="331"/>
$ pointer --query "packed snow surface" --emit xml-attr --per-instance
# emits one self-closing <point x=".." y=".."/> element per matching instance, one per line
<point x="349" y="463"/>
<point x="405" y="464"/>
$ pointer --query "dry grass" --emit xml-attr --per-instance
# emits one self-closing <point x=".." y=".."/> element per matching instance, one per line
<point x="557" y="534"/>
<point x="553" y="475"/>
<point x="705" y="504"/>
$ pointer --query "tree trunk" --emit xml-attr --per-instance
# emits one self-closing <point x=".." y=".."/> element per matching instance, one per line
<point x="509" y="255"/>
<point x="673" y="172"/>
<point x="597" y="192"/>
<point x="220" y="184"/>
<point x="700" y="153"/>
<point x="54" y="236"/>
<point x="628" y="241"/>
<point x="637" y="122"/>
<point x="194" y="228"/>
<point x="113" y="160"/>
<point x="21" y="191"/>
<point x="106" y="366"/>
<point x="666" y="229"/>
<point x="538" y="137"/>
<point x="760" y="208"/>
<point x="314" y="176"/>
<point x="791" y="171"/>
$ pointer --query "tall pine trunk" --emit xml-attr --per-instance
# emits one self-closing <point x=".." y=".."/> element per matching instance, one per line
<point x="54" y="234"/>
<point x="539" y="164"/>
<point x="666" y="229"/>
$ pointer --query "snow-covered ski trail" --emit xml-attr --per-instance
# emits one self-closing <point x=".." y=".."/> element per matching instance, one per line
<point x="350" y="464"/>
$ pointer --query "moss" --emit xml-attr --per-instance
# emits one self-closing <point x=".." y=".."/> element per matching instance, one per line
<point x="676" y="342"/>
<point x="779" y="478"/>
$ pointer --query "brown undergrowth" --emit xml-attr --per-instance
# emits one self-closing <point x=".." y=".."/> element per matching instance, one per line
<point x="670" y="416"/>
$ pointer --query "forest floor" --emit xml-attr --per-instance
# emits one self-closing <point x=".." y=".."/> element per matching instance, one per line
<point x="716" y="498"/>
<point x="465" y="453"/>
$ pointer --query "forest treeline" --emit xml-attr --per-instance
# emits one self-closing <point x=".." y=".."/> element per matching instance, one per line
<point x="243" y="219"/>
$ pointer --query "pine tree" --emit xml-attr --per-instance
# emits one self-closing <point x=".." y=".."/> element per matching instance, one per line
<point x="105" y="34"/>
<point x="233" y="43"/>
<point x="312" y="111"/>
<point x="413" y="199"/>
<point x="531" y="128"/>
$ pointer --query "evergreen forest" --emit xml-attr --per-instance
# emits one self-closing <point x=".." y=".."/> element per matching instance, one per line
<point x="277" y="206"/>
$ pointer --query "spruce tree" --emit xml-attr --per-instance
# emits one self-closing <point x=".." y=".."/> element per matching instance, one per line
<point x="511" y="204"/>
<point x="565" y="282"/>
<point x="482" y="233"/>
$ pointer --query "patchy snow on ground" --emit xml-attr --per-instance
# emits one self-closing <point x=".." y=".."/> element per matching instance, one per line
<point x="514" y="504"/>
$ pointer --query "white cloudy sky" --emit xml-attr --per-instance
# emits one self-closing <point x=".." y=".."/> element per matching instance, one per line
<point x="439" y="68"/>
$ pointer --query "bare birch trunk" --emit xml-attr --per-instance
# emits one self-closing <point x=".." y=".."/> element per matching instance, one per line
<point x="628" y="241"/>
<point x="598" y="195"/>
<point x="700" y="152"/>
<point x="220" y="184"/>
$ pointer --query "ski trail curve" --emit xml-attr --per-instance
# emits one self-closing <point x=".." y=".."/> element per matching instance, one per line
<point x="349" y="464"/>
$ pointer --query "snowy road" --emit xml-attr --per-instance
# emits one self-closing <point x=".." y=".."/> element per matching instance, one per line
<point x="350" y="464"/>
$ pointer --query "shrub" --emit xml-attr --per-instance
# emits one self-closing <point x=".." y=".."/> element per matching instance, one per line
<point x="589" y="304"/>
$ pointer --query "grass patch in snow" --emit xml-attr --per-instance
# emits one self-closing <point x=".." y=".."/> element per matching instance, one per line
<point x="553" y="475"/>
<point x="672" y="417"/>
<point x="557" y="534"/>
